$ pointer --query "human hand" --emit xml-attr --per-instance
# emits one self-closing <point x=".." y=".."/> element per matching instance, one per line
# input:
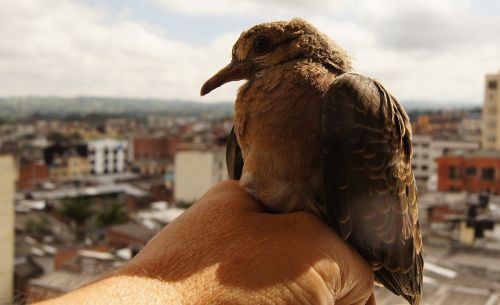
<point x="226" y="250"/>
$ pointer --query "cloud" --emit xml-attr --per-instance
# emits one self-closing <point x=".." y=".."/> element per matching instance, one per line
<point x="59" y="47"/>
<point x="437" y="25"/>
<point x="246" y="7"/>
<point x="422" y="50"/>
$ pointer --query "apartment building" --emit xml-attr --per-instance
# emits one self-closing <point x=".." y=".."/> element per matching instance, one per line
<point x="491" y="112"/>
<point x="426" y="149"/>
<point x="107" y="156"/>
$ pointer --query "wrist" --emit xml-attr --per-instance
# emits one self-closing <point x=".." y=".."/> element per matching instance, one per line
<point x="122" y="289"/>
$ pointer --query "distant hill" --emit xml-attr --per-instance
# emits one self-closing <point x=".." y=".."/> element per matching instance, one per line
<point x="11" y="108"/>
<point x="414" y="105"/>
<point x="23" y="107"/>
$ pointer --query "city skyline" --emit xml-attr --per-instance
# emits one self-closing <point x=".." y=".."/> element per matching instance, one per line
<point x="439" y="51"/>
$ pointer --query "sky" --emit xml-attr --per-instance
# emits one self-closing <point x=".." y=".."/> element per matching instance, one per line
<point x="434" y="51"/>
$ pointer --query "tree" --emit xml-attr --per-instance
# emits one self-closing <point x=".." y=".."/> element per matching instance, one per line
<point x="77" y="210"/>
<point x="111" y="214"/>
<point x="57" y="137"/>
<point x="38" y="227"/>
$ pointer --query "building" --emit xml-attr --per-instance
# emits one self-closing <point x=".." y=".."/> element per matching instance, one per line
<point x="128" y="235"/>
<point x="426" y="149"/>
<point x="7" y="183"/>
<point x="470" y="127"/>
<point x="67" y="161"/>
<point x="196" y="170"/>
<point x="107" y="156"/>
<point x="153" y="155"/>
<point x="438" y="124"/>
<point x="474" y="171"/>
<point x="491" y="112"/>
<point x="32" y="174"/>
<point x="70" y="167"/>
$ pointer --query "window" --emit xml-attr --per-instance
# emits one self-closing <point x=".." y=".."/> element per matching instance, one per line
<point x="491" y="124"/>
<point x="470" y="171"/>
<point x="453" y="172"/>
<point x="413" y="166"/>
<point x="425" y="145"/>
<point x="488" y="173"/>
<point x="492" y="84"/>
<point x="425" y="167"/>
<point x="425" y="156"/>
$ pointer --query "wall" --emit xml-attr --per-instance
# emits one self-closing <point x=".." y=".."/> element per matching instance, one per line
<point x="196" y="171"/>
<point x="427" y="149"/>
<point x="491" y="113"/>
<point x="110" y="162"/>
<point x="7" y="191"/>
<point x="467" y="182"/>
<point x="193" y="174"/>
<point x="32" y="173"/>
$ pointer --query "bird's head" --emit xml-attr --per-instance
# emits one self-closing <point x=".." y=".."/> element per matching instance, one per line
<point x="270" y="44"/>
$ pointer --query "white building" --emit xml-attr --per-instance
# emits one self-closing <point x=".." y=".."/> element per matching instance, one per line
<point x="107" y="156"/>
<point x="470" y="127"/>
<point x="7" y="190"/>
<point x="196" y="171"/>
<point x="491" y="112"/>
<point x="425" y="151"/>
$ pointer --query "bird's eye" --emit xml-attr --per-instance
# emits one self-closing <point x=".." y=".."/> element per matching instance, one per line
<point x="261" y="45"/>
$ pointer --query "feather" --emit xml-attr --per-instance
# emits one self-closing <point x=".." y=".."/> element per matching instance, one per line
<point x="374" y="145"/>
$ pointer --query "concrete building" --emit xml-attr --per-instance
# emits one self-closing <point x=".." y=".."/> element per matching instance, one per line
<point x="470" y="127"/>
<point x="196" y="170"/>
<point x="67" y="161"/>
<point x="491" y="112"/>
<point x="426" y="149"/>
<point x="153" y="155"/>
<point x="7" y="185"/>
<point x="107" y="156"/>
<point x="474" y="171"/>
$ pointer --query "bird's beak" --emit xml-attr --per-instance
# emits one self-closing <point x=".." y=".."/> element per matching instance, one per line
<point x="232" y="72"/>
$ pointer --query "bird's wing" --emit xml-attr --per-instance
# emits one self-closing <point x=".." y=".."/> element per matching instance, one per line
<point x="370" y="190"/>
<point x="234" y="159"/>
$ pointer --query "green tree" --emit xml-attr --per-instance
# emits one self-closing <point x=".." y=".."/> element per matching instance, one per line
<point x="37" y="227"/>
<point x="111" y="214"/>
<point x="77" y="210"/>
<point x="56" y="137"/>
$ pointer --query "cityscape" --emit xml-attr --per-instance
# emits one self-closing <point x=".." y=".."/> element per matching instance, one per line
<point x="82" y="195"/>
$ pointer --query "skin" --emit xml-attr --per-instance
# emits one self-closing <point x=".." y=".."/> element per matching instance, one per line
<point x="227" y="249"/>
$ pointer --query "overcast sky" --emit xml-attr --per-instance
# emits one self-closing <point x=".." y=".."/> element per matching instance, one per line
<point x="422" y="50"/>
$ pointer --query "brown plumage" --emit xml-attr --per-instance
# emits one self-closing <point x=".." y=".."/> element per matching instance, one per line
<point x="311" y="135"/>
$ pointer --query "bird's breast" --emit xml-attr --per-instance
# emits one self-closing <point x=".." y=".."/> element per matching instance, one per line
<point x="278" y="127"/>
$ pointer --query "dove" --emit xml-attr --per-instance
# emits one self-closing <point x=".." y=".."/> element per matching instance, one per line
<point x="310" y="134"/>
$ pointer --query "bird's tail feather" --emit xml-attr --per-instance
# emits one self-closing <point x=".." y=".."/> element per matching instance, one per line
<point x="408" y="285"/>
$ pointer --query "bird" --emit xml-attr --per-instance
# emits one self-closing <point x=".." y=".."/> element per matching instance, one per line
<point x="311" y="134"/>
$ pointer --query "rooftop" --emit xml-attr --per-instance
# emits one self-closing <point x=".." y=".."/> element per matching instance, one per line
<point x="134" y="230"/>
<point x="62" y="280"/>
<point x="469" y="154"/>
